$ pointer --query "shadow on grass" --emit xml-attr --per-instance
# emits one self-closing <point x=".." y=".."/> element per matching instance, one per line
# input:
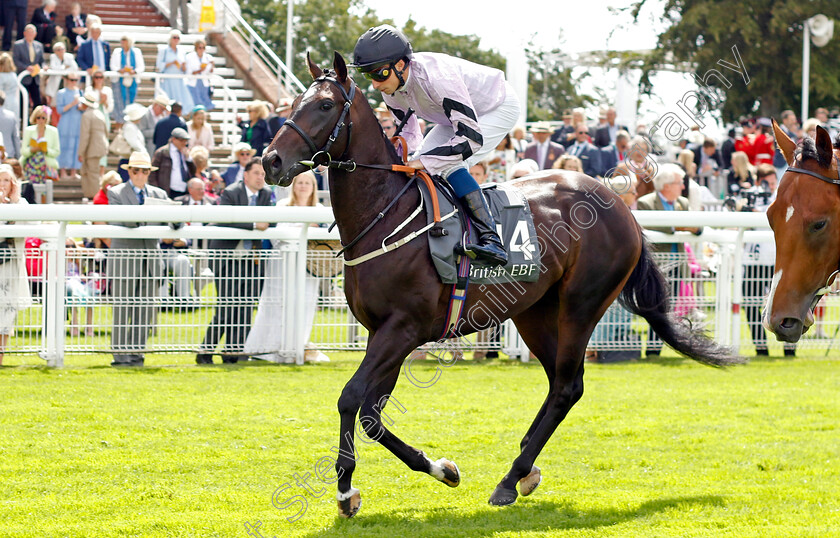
<point x="525" y="516"/>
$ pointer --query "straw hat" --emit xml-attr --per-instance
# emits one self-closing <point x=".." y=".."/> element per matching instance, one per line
<point x="90" y="97"/>
<point x="243" y="146"/>
<point x="541" y="127"/>
<point x="134" y="112"/>
<point x="139" y="159"/>
<point x="162" y="100"/>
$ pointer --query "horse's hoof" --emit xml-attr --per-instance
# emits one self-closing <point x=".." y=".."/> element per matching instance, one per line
<point x="502" y="496"/>
<point x="447" y="472"/>
<point x="528" y="484"/>
<point x="349" y="503"/>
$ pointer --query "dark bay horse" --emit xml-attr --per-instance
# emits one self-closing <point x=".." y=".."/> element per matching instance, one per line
<point x="592" y="250"/>
<point x="805" y="218"/>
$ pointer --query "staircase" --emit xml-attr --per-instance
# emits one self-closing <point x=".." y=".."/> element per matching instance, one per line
<point x="148" y="39"/>
<point x="129" y="12"/>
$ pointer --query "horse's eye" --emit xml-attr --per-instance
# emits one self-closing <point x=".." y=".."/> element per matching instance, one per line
<point x="819" y="225"/>
<point x="327" y="105"/>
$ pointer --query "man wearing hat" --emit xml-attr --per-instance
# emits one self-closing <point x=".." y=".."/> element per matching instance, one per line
<point x="154" y="113"/>
<point x="559" y="135"/>
<point x="135" y="267"/>
<point x="276" y="120"/>
<point x="242" y="152"/>
<point x="175" y="166"/>
<point x="163" y="129"/>
<point x="93" y="141"/>
<point x="542" y="150"/>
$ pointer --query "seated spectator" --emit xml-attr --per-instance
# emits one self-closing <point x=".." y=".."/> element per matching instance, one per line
<point x="243" y="153"/>
<point x="201" y="134"/>
<point x="128" y="61"/>
<point x="9" y="130"/>
<point x="14" y="287"/>
<point x="171" y="61"/>
<point x="134" y="114"/>
<point x="59" y="60"/>
<point x="68" y="103"/>
<point x="255" y="131"/>
<point x="155" y="112"/>
<point x="164" y="128"/>
<point x="707" y="159"/>
<point x="110" y="179"/>
<point x="61" y="38"/>
<point x="43" y="18"/>
<point x="568" y="162"/>
<point x="28" y="55"/>
<point x="172" y="166"/>
<point x="76" y="24"/>
<point x="195" y="194"/>
<point x="95" y="53"/>
<point x="9" y="85"/>
<point x="583" y="149"/>
<point x="39" y="148"/>
<point x="200" y="62"/>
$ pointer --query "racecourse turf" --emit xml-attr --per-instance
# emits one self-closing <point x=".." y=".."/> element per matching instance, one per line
<point x="654" y="448"/>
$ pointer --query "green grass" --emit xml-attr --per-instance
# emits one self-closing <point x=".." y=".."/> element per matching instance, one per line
<point x="663" y="448"/>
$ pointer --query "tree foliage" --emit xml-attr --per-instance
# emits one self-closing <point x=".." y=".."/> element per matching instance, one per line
<point x="551" y="86"/>
<point x="768" y="35"/>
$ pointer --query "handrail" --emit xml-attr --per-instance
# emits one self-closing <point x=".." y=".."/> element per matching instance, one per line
<point x="285" y="77"/>
<point x="229" y="101"/>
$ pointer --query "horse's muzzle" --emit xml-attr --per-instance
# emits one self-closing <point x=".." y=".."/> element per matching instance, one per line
<point x="274" y="173"/>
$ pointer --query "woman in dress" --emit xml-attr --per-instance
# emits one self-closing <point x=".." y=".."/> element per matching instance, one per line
<point x="132" y="134"/>
<point x="60" y="59"/>
<point x="9" y="84"/>
<point x="201" y="134"/>
<point x="14" y="288"/>
<point x="264" y="339"/>
<point x="171" y="61"/>
<point x="39" y="148"/>
<point x="199" y="62"/>
<point x="69" y="125"/>
<point x="128" y="61"/>
<point x="743" y="173"/>
<point x="105" y="101"/>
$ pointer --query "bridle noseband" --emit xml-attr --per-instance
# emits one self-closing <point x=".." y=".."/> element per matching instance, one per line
<point x="321" y="157"/>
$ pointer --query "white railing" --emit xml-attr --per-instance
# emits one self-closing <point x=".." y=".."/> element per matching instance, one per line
<point x="229" y="101"/>
<point x="719" y="289"/>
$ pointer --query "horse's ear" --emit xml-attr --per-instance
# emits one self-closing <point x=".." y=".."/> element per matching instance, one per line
<point x="824" y="149"/>
<point x="786" y="145"/>
<point x="340" y="67"/>
<point x="314" y="70"/>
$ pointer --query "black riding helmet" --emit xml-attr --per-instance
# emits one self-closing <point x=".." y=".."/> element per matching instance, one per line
<point x="381" y="46"/>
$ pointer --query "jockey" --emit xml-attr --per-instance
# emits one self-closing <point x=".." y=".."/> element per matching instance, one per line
<point x="472" y="107"/>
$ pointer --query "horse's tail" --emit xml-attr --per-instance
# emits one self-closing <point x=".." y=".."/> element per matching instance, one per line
<point x="646" y="294"/>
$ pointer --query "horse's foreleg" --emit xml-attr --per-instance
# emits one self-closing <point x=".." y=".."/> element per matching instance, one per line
<point x="385" y="353"/>
<point x="373" y="419"/>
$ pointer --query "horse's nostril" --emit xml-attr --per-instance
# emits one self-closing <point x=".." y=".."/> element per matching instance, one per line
<point x="788" y="323"/>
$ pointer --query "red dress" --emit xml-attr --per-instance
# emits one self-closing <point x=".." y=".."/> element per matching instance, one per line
<point x="101" y="198"/>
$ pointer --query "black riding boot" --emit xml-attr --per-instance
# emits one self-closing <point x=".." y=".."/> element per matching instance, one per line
<point x="489" y="248"/>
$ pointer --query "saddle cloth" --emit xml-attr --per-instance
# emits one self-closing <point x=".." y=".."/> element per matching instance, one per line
<point x="514" y="223"/>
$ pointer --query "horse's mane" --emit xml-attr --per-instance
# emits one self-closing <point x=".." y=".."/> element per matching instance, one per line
<point x="807" y="149"/>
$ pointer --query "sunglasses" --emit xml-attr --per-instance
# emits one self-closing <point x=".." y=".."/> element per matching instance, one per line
<point x="379" y="75"/>
<point x="40" y="118"/>
<point x="144" y="171"/>
<point x="175" y="37"/>
<point x="244" y="153"/>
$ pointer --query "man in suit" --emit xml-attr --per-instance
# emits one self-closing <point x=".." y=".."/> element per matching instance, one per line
<point x="559" y="134"/>
<point x="44" y="20"/>
<point x="196" y="195"/>
<point x="174" y="165"/>
<point x="607" y="132"/>
<point x="614" y="154"/>
<point x="14" y="12"/>
<point x="76" y="24"/>
<point x="542" y="150"/>
<point x="93" y="142"/>
<point x="589" y="155"/>
<point x="243" y="153"/>
<point x="95" y="53"/>
<point x="135" y="268"/>
<point x="727" y="149"/>
<point x="707" y="158"/>
<point x="667" y="184"/>
<point x="10" y="129"/>
<point x="154" y="113"/>
<point x="28" y="55"/>
<point x="239" y="275"/>
<point x="164" y="128"/>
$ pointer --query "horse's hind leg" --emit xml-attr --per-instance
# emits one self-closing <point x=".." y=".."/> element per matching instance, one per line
<point x="373" y="419"/>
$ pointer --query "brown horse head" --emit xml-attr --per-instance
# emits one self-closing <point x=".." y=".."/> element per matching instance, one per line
<point x="321" y="112"/>
<point x="805" y="218"/>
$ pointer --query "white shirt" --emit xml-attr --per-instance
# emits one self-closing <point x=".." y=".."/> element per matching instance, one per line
<point x="193" y="62"/>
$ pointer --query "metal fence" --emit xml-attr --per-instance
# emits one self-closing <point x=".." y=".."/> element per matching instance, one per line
<point x="278" y="302"/>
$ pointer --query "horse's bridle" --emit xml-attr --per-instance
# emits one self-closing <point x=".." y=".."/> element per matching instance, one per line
<point x="321" y="157"/>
